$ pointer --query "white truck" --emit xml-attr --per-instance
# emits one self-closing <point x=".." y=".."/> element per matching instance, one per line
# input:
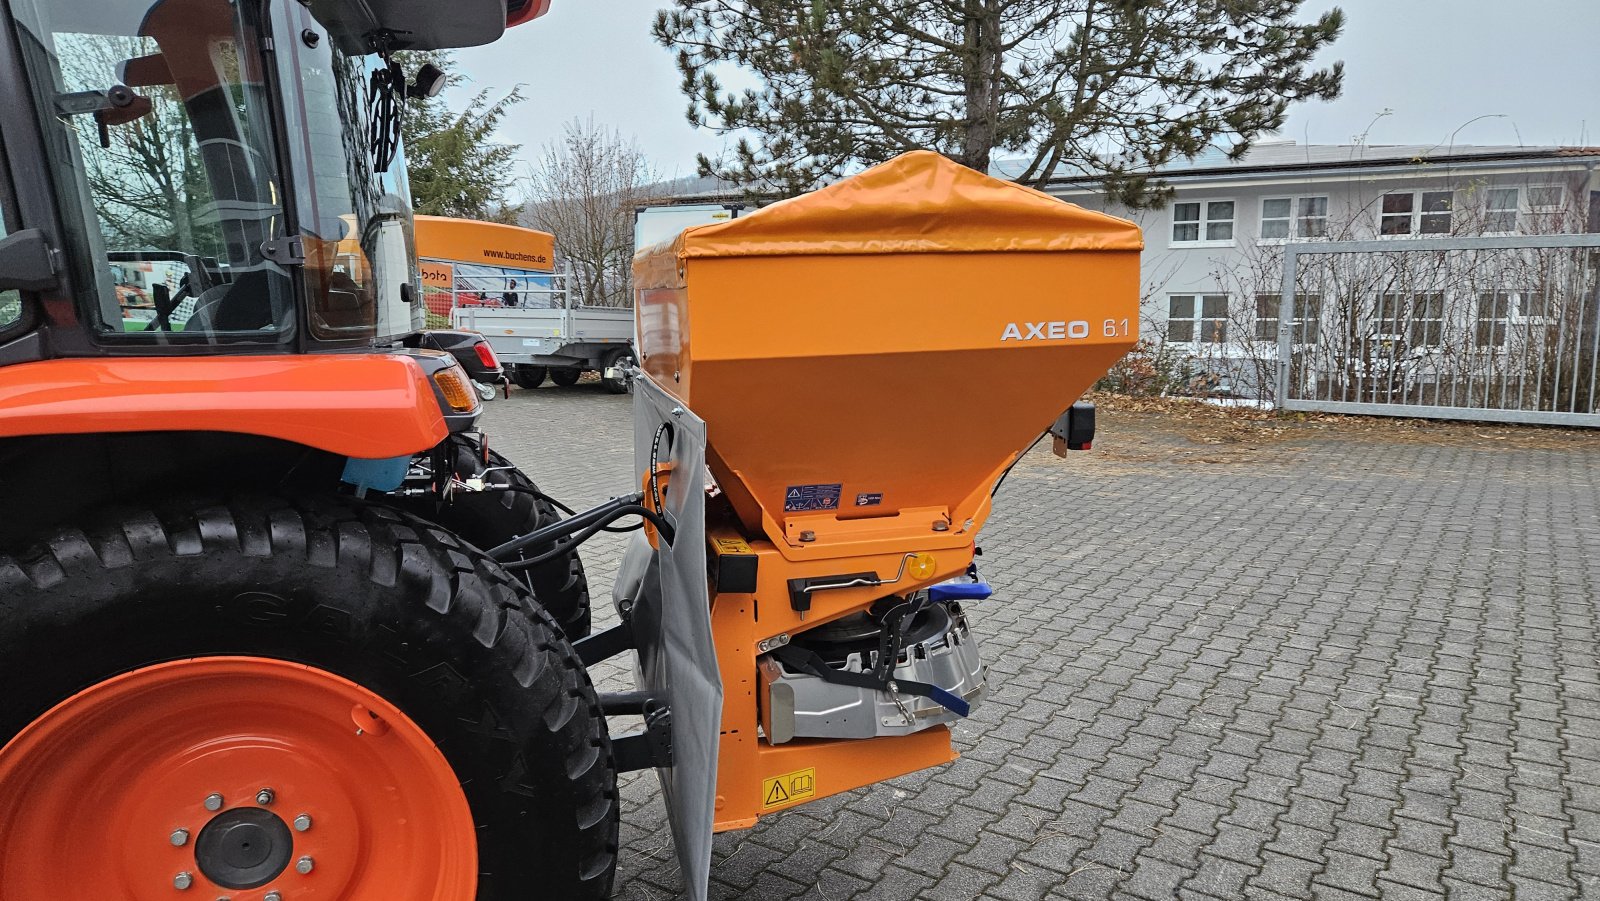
<point x="653" y="225"/>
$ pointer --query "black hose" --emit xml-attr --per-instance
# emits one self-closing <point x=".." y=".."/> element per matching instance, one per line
<point x="538" y="494"/>
<point x="1002" y="480"/>
<point x="564" y="546"/>
<point x="585" y="524"/>
<point x="563" y="507"/>
<point x="655" y="448"/>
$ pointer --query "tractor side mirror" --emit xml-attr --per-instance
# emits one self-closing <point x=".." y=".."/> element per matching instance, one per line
<point x="1074" y="429"/>
<point x="26" y="262"/>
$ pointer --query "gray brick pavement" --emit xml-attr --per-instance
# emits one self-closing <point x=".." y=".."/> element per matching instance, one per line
<point x="1341" y="666"/>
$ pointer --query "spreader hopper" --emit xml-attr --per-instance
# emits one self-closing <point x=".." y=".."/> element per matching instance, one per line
<point x="870" y="357"/>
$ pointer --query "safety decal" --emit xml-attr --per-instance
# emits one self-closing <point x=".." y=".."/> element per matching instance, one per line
<point x="800" y="498"/>
<point x="788" y="788"/>
<point x="869" y="500"/>
<point x="734" y="545"/>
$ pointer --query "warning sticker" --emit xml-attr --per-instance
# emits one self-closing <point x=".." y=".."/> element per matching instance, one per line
<point x="733" y="545"/>
<point x="869" y="500"/>
<point x="799" y="498"/>
<point x="788" y="788"/>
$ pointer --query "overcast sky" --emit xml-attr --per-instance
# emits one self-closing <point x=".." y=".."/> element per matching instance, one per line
<point x="1436" y="64"/>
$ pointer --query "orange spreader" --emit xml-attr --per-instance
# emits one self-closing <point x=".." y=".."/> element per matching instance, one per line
<point x="871" y="356"/>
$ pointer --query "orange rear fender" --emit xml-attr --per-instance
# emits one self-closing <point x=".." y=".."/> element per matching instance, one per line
<point x="358" y="405"/>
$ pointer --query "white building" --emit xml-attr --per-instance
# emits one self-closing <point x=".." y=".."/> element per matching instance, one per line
<point x="1212" y="266"/>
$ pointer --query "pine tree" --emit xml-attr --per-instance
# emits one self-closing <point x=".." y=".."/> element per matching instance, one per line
<point x="1104" y="89"/>
<point x="456" y="166"/>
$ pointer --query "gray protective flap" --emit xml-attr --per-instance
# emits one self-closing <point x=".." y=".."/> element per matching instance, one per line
<point x="672" y="621"/>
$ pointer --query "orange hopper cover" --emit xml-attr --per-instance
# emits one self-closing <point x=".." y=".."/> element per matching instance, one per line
<point x="871" y="356"/>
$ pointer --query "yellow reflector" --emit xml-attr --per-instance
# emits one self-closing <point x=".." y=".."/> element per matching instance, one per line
<point x="456" y="393"/>
<point x="921" y="566"/>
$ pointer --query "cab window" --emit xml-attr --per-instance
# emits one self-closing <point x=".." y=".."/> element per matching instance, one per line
<point x="157" y="128"/>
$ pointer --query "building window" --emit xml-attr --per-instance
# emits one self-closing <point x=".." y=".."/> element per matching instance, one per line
<point x="1546" y="208"/>
<point x="1302" y="217"/>
<point x="1436" y="207"/>
<point x="1311" y="217"/>
<point x="1500" y="210"/>
<point x="1416" y="212"/>
<point x="1275" y="217"/>
<point x="1494" y="316"/>
<point x="1416" y="318"/>
<point x="1202" y="221"/>
<point x="1197" y="318"/>
<point x="1498" y="311"/>
<point x="1546" y="197"/>
<point x="1307" y="313"/>
<point x="1396" y="214"/>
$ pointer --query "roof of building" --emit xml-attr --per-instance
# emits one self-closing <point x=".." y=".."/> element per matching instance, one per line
<point x="1287" y="156"/>
<point x="1264" y="158"/>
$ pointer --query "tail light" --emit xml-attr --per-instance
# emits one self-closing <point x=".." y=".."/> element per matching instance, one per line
<point x="486" y="355"/>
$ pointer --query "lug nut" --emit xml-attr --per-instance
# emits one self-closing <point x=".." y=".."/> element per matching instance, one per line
<point x="304" y="865"/>
<point x="264" y="797"/>
<point x="213" y="802"/>
<point x="302" y="822"/>
<point x="180" y="837"/>
<point x="182" y="881"/>
<point x="272" y="896"/>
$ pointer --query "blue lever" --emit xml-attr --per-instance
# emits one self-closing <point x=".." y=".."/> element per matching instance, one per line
<point x="960" y="591"/>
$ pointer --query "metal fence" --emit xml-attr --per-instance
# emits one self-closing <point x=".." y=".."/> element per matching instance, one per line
<point x="1494" y="328"/>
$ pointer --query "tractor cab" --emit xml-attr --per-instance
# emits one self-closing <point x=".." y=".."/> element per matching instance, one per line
<point x="209" y="173"/>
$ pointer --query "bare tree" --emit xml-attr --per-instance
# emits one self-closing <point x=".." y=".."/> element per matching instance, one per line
<point x="584" y="188"/>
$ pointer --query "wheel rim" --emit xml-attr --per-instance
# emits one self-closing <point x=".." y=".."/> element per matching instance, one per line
<point x="326" y="791"/>
<point x="623" y="362"/>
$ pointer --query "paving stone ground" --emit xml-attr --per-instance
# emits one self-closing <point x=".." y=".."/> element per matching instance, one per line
<point x="1335" y="666"/>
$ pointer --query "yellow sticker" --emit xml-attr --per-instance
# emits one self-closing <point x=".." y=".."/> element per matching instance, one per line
<point x="732" y="546"/>
<point x="789" y="788"/>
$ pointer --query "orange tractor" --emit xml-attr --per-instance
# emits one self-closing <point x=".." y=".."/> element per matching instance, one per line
<point x="276" y="623"/>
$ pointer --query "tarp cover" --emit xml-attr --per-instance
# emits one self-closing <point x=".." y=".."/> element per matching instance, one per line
<point x="918" y="202"/>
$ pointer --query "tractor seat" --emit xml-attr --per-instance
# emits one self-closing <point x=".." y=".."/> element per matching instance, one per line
<point x="243" y="305"/>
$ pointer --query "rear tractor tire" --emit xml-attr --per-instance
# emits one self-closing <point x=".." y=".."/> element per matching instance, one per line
<point x="491" y="518"/>
<point x="244" y="696"/>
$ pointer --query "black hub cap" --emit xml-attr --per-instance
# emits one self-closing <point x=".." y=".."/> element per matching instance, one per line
<point x="246" y="847"/>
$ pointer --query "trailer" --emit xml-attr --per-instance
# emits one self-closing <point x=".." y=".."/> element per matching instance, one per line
<point x="546" y="332"/>
<point x="500" y="281"/>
